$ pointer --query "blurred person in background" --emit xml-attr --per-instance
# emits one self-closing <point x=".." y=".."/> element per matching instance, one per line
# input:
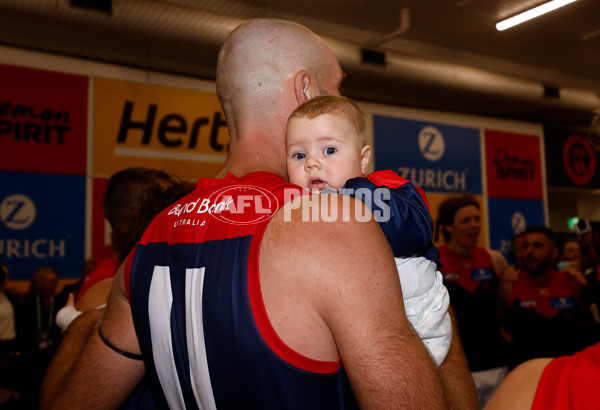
<point x="471" y="275"/>
<point x="38" y="334"/>
<point x="569" y="252"/>
<point x="9" y="384"/>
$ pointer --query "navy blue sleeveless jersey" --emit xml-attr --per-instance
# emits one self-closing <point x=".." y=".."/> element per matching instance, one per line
<point x="193" y="286"/>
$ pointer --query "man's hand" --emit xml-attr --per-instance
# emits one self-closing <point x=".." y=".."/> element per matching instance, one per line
<point x="510" y="274"/>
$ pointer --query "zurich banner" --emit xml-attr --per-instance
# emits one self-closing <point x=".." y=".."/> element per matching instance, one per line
<point x="42" y="223"/>
<point x="437" y="157"/>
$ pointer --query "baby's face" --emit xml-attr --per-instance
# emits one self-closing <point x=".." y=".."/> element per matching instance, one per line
<point x="324" y="152"/>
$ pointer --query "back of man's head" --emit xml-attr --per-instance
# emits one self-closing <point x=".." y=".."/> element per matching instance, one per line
<point x="258" y="56"/>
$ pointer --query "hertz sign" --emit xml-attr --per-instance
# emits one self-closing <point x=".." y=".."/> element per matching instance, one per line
<point x="178" y="130"/>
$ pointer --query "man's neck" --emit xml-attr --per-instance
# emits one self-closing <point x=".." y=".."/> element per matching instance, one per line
<point x="257" y="157"/>
<point x="241" y="169"/>
<point x="542" y="278"/>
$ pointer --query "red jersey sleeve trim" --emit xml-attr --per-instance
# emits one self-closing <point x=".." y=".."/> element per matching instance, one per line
<point x="127" y="273"/>
<point x="263" y="323"/>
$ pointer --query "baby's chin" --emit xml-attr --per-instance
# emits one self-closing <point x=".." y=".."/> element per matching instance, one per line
<point x="325" y="190"/>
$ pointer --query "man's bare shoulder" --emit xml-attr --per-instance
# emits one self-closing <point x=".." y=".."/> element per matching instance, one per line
<point x="318" y="266"/>
<point x="331" y="290"/>
<point x="325" y="229"/>
<point x="518" y="390"/>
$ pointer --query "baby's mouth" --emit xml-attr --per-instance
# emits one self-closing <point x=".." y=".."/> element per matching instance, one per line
<point x="316" y="184"/>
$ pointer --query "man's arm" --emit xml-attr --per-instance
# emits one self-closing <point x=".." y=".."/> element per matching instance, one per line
<point x="459" y="387"/>
<point x="100" y="378"/>
<point x="75" y="339"/>
<point x="95" y="296"/>
<point x="337" y="282"/>
<point x="507" y="275"/>
<point x="499" y="262"/>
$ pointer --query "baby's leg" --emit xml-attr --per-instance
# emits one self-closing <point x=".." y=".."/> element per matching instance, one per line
<point x="426" y="303"/>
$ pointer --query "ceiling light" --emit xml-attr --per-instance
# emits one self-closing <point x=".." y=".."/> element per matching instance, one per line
<point x="531" y="13"/>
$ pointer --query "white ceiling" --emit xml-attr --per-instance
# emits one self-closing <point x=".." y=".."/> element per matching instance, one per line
<point x="447" y="54"/>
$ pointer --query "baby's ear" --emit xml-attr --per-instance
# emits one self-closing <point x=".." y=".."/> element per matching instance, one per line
<point x="365" y="157"/>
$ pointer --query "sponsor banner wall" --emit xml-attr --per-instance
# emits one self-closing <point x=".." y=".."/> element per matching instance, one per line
<point x="42" y="223"/>
<point x="571" y="159"/>
<point x="513" y="165"/>
<point x="139" y="118"/>
<point x="180" y="131"/>
<point x="43" y="121"/>
<point x="449" y="154"/>
<point x="437" y="157"/>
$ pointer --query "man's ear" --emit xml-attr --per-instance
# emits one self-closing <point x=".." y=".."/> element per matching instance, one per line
<point x="302" y="83"/>
<point x="365" y="157"/>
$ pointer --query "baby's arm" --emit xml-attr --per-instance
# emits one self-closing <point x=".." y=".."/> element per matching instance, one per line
<point x="406" y="222"/>
<point x="409" y="229"/>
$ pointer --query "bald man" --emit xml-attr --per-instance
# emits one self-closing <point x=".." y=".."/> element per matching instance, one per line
<point x="220" y="306"/>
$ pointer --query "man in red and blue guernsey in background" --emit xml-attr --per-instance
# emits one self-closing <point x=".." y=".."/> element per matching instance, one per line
<point x="472" y="276"/>
<point x="543" y="305"/>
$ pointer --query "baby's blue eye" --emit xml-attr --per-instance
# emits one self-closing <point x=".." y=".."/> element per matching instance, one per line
<point x="300" y="155"/>
<point x="330" y="151"/>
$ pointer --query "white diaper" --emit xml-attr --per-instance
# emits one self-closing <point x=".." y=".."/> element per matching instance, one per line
<point x="426" y="302"/>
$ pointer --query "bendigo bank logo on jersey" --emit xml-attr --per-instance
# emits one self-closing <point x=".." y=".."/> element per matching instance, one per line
<point x="237" y="205"/>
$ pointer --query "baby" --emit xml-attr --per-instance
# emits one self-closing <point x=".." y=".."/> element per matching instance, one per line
<point x="326" y="149"/>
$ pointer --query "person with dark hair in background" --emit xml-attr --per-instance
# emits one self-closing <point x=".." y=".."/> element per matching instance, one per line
<point x="132" y="198"/>
<point x="516" y="253"/>
<point x="37" y="333"/>
<point x="588" y="263"/>
<point x="569" y="252"/>
<point x="264" y="312"/>
<point x="543" y="306"/>
<point x="471" y="275"/>
<point x="565" y="382"/>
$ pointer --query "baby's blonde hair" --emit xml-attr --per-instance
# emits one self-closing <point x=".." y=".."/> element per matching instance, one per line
<point x="331" y="104"/>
